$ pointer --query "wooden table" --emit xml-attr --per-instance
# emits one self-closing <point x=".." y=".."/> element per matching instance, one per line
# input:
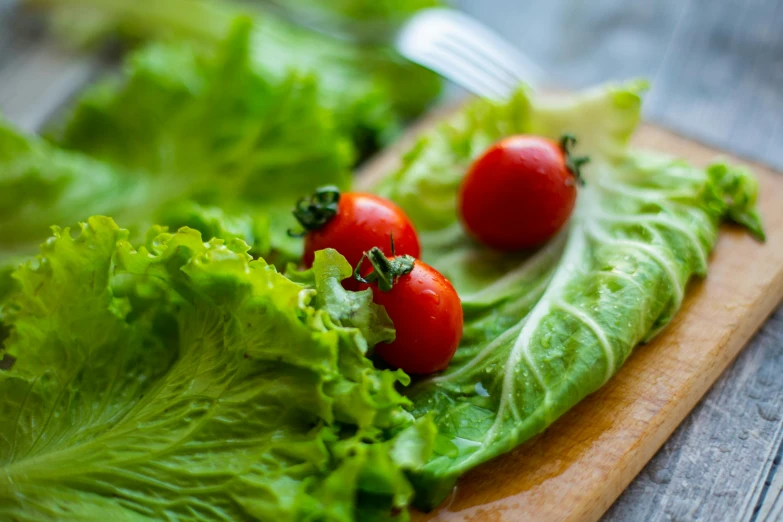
<point x="718" y="77"/>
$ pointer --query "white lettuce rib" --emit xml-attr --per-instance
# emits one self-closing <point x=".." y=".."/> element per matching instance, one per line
<point x="576" y="250"/>
<point x="590" y="222"/>
<point x="642" y="194"/>
<point x="597" y="330"/>
<point x="659" y="219"/>
<point x="665" y="263"/>
<point x="483" y="354"/>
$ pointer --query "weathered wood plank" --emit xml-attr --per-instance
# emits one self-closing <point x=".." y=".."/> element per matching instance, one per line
<point x="584" y="43"/>
<point x="722" y="78"/>
<point x="770" y="506"/>
<point x="715" y="465"/>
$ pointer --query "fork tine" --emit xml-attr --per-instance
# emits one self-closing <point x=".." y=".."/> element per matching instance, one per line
<point x="483" y="65"/>
<point x="461" y="72"/>
<point x="446" y="40"/>
<point x="493" y="47"/>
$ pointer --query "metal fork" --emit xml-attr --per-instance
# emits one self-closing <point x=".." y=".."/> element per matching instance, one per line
<point x="466" y="52"/>
<point x="441" y="39"/>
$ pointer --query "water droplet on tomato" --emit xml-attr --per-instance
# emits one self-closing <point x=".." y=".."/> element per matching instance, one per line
<point x="435" y="296"/>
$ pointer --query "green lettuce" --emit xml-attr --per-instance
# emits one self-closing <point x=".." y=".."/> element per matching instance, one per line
<point x="183" y="380"/>
<point x="389" y="11"/>
<point x="544" y="329"/>
<point x="369" y="89"/>
<point x="41" y="185"/>
<point x="182" y="138"/>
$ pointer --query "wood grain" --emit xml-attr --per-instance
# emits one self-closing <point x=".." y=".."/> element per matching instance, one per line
<point x="580" y="465"/>
<point x="723" y="461"/>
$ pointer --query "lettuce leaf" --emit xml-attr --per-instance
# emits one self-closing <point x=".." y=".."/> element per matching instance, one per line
<point x="362" y="10"/>
<point x="183" y="138"/>
<point x="369" y="89"/>
<point x="603" y="118"/>
<point x="266" y="143"/>
<point x="41" y="185"/>
<point x="544" y="329"/>
<point x="182" y="380"/>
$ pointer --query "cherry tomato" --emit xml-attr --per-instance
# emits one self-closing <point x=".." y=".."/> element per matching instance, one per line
<point x="520" y="192"/>
<point x="424" y="307"/>
<point x="353" y="223"/>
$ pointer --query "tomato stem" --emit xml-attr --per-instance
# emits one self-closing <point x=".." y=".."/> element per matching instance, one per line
<point x="315" y="211"/>
<point x="573" y="163"/>
<point x="385" y="271"/>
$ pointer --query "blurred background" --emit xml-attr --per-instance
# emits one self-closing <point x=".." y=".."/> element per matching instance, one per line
<point x="716" y="65"/>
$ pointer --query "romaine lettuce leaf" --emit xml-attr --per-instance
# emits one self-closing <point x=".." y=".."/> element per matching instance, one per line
<point x="603" y="118"/>
<point x="544" y="329"/>
<point x="183" y="138"/>
<point x="182" y="380"/>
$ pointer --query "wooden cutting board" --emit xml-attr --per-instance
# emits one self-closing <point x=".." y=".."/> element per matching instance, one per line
<point x="577" y="468"/>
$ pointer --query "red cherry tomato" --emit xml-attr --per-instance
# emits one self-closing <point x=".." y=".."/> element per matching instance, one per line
<point x="520" y="192"/>
<point x="427" y="315"/>
<point x="353" y="223"/>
